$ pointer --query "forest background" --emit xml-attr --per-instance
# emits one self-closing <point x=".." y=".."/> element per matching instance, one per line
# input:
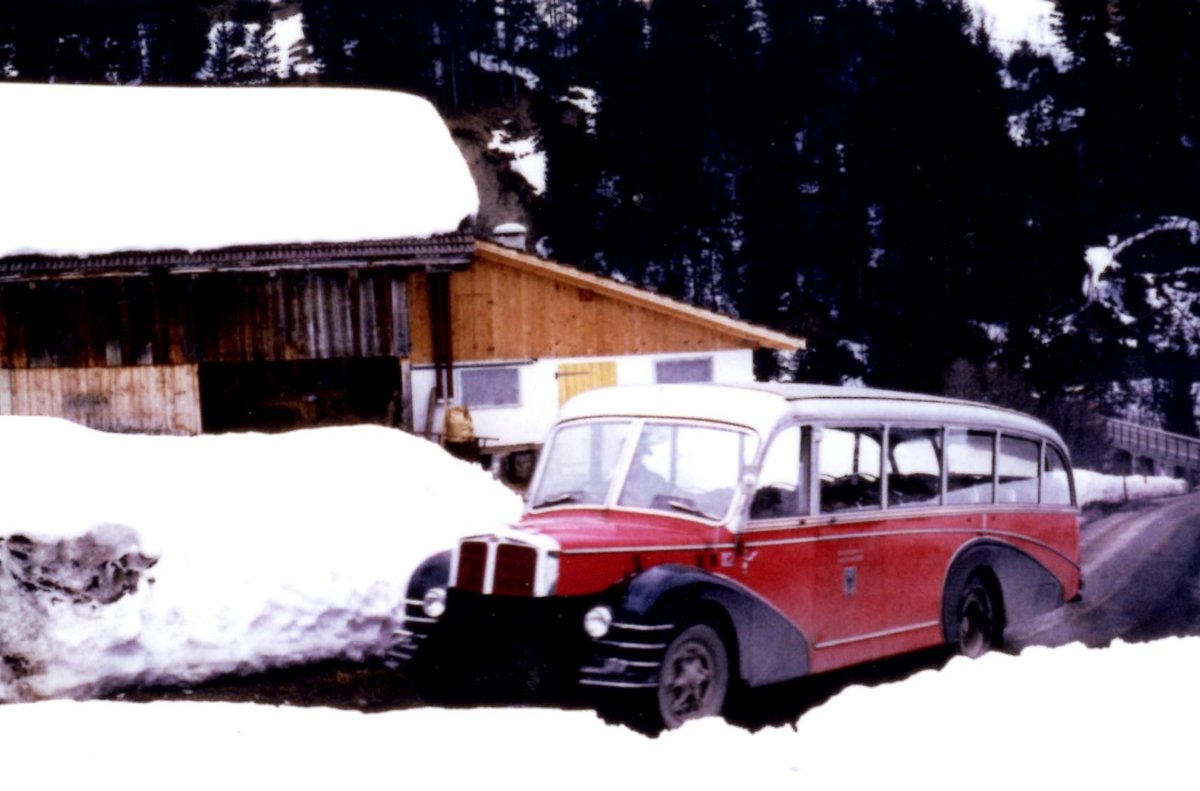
<point x="931" y="209"/>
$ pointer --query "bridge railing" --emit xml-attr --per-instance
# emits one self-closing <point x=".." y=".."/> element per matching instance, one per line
<point x="1153" y="442"/>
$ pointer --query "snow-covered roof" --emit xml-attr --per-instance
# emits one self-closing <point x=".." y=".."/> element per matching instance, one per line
<point x="90" y="170"/>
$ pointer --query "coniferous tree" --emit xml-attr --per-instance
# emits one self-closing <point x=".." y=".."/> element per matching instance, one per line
<point x="589" y="214"/>
<point x="260" y="61"/>
<point x="225" y="41"/>
<point x="330" y="28"/>
<point x="1093" y="93"/>
<point x="685" y="166"/>
<point x="801" y="214"/>
<point x="935" y="160"/>
<point x="172" y="37"/>
<point x="33" y="28"/>
<point x="1162" y="123"/>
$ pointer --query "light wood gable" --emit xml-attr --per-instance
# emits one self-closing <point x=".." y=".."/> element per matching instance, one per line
<point x="512" y="305"/>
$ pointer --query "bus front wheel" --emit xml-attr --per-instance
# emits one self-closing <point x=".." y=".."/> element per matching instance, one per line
<point x="694" y="678"/>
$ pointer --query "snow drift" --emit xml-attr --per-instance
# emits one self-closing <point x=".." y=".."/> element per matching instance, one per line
<point x="1092" y="487"/>
<point x="1052" y="718"/>
<point x="139" y="559"/>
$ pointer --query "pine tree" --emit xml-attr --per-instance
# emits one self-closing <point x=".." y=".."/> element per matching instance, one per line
<point x="931" y="154"/>
<point x="260" y="62"/>
<point x="172" y="39"/>
<point x="225" y="41"/>
<point x="1159" y="39"/>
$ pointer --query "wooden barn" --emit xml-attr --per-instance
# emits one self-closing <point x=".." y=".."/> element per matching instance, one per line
<point x="151" y="296"/>
<point x="232" y="340"/>
<point x="204" y="260"/>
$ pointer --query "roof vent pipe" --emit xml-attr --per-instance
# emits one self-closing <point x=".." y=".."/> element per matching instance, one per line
<point x="510" y="234"/>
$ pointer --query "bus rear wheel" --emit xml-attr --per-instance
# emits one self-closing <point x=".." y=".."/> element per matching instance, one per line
<point x="979" y="619"/>
<point x="694" y="678"/>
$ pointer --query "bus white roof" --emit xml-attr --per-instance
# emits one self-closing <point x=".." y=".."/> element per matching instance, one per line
<point x="760" y="406"/>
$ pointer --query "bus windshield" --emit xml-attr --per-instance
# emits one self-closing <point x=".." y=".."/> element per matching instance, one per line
<point x="679" y="468"/>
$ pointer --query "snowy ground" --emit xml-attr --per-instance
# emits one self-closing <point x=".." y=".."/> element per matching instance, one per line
<point x="1052" y="718"/>
<point x="141" y="559"/>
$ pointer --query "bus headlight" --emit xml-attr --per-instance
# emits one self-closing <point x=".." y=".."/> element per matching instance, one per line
<point x="434" y="603"/>
<point x="597" y="622"/>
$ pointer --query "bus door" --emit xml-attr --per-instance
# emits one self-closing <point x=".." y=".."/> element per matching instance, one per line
<point x="850" y="569"/>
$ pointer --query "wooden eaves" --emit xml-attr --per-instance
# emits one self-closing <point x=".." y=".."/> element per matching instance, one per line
<point x="736" y="328"/>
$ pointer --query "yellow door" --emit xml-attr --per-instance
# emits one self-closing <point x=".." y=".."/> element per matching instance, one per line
<point x="574" y="378"/>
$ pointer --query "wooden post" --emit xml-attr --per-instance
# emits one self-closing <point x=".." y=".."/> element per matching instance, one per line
<point x="439" y="316"/>
<point x="406" y="395"/>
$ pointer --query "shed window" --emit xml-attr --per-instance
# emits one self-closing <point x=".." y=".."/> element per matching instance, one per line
<point x="484" y="387"/>
<point x="696" y="369"/>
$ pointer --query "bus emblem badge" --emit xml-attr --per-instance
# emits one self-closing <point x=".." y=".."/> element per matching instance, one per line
<point x="850" y="580"/>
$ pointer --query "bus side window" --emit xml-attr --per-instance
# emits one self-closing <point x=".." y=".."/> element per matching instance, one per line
<point x="850" y="461"/>
<point x="783" y="482"/>
<point x="914" y="466"/>
<point x="1056" y="481"/>
<point x="969" y="464"/>
<point x="1017" y="470"/>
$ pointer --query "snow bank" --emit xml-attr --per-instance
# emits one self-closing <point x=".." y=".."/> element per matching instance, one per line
<point x="205" y="168"/>
<point x="149" y="559"/>
<point x="1093" y="487"/>
<point x="1051" y="718"/>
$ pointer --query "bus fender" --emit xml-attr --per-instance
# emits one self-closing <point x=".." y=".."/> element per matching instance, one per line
<point x="433" y="572"/>
<point x="1027" y="588"/>
<point x="769" y="647"/>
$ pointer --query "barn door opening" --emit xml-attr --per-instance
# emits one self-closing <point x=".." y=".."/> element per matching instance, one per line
<point x="575" y="378"/>
<point x="281" y="396"/>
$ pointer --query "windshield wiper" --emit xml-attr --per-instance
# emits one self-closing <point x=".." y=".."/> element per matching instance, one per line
<point x="686" y="508"/>
<point x="559" y="499"/>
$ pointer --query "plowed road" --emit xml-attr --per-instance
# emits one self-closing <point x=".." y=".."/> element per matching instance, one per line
<point x="1141" y="571"/>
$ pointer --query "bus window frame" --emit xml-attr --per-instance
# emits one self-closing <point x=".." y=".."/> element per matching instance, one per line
<point x="815" y="436"/>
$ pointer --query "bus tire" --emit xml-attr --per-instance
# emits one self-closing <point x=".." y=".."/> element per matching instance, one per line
<point x="694" y="678"/>
<point x="979" y="616"/>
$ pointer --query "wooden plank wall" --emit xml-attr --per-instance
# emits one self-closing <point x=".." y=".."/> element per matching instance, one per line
<point x="501" y="313"/>
<point x="148" y="398"/>
<point x="209" y="317"/>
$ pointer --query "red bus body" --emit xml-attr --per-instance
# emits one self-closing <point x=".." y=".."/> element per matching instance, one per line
<point x="908" y="521"/>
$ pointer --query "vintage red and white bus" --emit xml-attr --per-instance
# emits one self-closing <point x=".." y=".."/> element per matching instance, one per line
<point x="680" y="540"/>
